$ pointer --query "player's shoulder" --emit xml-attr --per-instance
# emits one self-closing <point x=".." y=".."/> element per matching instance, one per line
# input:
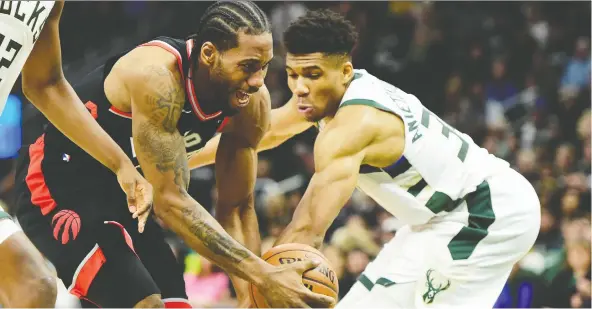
<point x="148" y="64"/>
<point x="365" y="87"/>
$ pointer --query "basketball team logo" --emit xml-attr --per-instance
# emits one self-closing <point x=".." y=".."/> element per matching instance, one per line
<point x="434" y="284"/>
<point x="66" y="224"/>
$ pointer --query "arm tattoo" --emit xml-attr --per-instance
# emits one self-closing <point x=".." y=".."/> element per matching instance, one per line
<point x="163" y="146"/>
<point x="168" y="99"/>
<point x="221" y="244"/>
<point x="167" y="152"/>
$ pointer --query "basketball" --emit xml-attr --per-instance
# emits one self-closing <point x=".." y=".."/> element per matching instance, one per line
<point x="321" y="279"/>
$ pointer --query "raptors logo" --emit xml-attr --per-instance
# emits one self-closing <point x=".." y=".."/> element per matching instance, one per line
<point x="64" y="223"/>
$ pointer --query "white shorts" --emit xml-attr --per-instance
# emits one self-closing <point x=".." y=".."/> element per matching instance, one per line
<point x="7" y="227"/>
<point x="462" y="259"/>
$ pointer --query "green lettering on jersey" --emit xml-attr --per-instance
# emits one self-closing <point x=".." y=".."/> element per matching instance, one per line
<point x="413" y="125"/>
<point x="446" y="130"/>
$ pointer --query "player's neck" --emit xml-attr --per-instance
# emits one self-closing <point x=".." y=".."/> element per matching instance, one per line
<point x="335" y="107"/>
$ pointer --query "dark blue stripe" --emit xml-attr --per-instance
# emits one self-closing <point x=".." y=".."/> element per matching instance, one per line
<point x="400" y="167"/>
<point x="394" y="170"/>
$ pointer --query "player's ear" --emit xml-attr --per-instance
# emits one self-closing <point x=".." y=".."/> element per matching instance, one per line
<point x="208" y="53"/>
<point x="348" y="71"/>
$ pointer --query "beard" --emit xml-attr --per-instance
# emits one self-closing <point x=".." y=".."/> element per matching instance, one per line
<point x="222" y="90"/>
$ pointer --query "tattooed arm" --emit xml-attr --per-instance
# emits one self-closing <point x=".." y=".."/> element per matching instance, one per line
<point x="236" y="173"/>
<point x="157" y="98"/>
<point x="151" y="82"/>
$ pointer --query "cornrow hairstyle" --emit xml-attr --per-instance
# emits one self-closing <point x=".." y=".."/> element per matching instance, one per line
<point x="222" y="21"/>
<point x="320" y="31"/>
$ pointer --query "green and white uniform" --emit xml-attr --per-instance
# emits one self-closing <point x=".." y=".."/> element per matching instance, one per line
<point x="21" y="23"/>
<point x="469" y="216"/>
<point x="7" y="226"/>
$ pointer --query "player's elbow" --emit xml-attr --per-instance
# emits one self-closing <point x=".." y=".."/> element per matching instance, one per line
<point x="166" y="200"/>
<point x="36" y="89"/>
<point x="162" y="204"/>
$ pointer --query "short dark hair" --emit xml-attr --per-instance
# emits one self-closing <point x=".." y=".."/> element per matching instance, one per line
<point x="222" y="21"/>
<point x="321" y="31"/>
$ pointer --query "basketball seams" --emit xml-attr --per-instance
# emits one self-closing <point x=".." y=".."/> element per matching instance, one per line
<point x="295" y="253"/>
<point x="253" y="296"/>
<point x="319" y="282"/>
<point x="307" y="278"/>
<point x="295" y="250"/>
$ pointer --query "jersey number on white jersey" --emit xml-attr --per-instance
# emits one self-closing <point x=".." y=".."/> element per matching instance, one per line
<point x="9" y="51"/>
<point x="426" y="115"/>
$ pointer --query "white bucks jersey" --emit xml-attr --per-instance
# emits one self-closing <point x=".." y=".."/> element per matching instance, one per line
<point x="21" y="23"/>
<point x="439" y="166"/>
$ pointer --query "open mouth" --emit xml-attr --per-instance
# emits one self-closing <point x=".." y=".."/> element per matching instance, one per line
<point x="304" y="109"/>
<point x="242" y="98"/>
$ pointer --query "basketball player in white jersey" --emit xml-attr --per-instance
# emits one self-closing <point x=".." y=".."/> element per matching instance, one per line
<point x="29" y="42"/>
<point x="469" y="216"/>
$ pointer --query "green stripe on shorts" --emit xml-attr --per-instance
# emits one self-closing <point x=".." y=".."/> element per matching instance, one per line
<point x="439" y="202"/>
<point x="416" y="188"/>
<point x="481" y="216"/>
<point x="367" y="283"/>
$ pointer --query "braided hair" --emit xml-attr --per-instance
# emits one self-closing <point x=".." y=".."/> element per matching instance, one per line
<point x="223" y="20"/>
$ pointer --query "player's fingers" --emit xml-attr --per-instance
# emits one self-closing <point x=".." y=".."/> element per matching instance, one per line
<point x="144" y="199"/>
<point x="147" y="197"/>
<point x="142" y="222"/>
<point x="305" y="265"/>
<point x="316" y="300"/>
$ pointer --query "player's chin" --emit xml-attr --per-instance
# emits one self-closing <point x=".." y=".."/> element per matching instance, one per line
<point x="313" y="117"/>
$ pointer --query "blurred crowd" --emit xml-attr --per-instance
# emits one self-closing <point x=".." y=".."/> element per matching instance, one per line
<point x="515" y="76"/>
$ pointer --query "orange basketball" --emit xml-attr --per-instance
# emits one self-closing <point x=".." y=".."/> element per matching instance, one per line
<point x="322" y="279"/>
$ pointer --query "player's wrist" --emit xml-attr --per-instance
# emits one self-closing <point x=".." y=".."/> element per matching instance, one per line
<point x="256" y="270"/>
<point x="122" y="164"/>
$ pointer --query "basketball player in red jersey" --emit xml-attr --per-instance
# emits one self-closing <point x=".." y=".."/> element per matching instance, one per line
<point x="160" y="102"/>
<point x="29" y="40"/>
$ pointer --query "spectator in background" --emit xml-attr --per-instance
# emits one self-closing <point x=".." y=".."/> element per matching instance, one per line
<point x="206" y="286"/>
<point x="523" y="290"/>
<point x="577" y="71"/>
<point x="564" y="159"/>
<point x="282" y="15"/>
<point x="500" y="88"/>
<point x="356" y="262"/>
<point x="500" y="94"/>
<point x="570" y="287"/>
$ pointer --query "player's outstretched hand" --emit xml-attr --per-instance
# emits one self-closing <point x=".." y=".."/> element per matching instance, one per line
<point x="138" y="191"/>
<point x="284" y="289"/>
